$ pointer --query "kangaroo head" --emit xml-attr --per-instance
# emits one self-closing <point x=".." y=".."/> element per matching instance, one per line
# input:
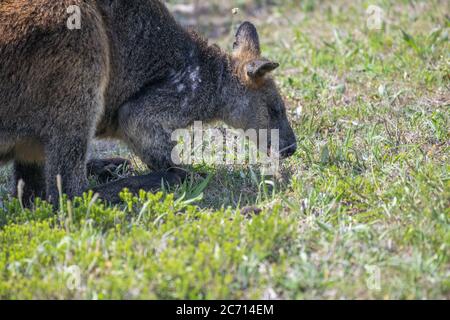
<point x="254" y="101"/>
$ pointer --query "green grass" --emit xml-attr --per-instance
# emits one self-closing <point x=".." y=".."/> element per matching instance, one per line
<point x="361" y="211"/>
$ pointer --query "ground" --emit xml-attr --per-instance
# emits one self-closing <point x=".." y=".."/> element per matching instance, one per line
<point x="361" y="211"/>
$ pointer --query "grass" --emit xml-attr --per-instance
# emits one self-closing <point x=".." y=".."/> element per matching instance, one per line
<point x="360" y="212"/>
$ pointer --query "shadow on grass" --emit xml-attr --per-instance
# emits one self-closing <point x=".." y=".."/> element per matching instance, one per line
<point x="222" y="186"/>
<point x="233" y="187"/>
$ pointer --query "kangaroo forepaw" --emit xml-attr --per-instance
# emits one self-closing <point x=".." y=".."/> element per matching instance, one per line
<point x="107" y="169"/>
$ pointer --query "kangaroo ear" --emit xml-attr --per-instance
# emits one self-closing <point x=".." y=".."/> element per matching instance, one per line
<point x="247" y="40"/>
<point x="259" y="68"/>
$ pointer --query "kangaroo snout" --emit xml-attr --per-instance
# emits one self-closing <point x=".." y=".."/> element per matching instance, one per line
<point x="288" y="151"/>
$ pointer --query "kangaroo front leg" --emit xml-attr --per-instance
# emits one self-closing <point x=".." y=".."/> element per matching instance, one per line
<point x="152" y="143"/>
<point x="147" y="137"/>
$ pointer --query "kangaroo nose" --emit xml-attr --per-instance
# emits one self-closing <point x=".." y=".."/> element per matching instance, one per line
<point x="289" y="151"/>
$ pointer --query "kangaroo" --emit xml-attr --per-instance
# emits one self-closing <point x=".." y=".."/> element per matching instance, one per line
<point x="131" y="73"/>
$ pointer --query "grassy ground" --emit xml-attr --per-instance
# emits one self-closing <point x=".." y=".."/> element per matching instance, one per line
<point x="361" y="211"/>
